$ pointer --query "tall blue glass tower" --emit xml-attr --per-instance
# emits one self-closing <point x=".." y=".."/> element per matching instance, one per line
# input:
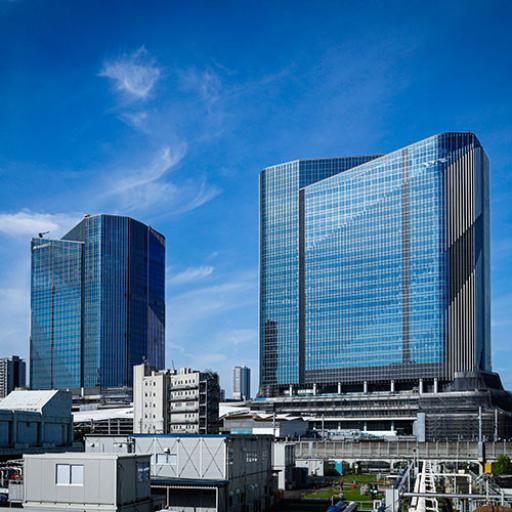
<point x="375" y="268"/>
<point x="98" y="304"/>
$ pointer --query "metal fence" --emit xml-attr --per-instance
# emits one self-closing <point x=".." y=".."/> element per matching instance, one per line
<point x="400" y="450"/>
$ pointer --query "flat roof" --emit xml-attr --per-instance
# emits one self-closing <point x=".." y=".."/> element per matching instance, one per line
<point x="215" y="436"/>
<point x="85" y="455"/>
<point x="27" y="400"/>
<point x="103" y="414"/>
<point x="179" y="435"/>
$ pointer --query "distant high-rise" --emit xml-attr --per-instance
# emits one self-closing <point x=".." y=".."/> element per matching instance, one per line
<point x="375" y="268"/>
<point x="12" y="374"/>
<point x="98" y="304"/>
<point x="241" y="383"/>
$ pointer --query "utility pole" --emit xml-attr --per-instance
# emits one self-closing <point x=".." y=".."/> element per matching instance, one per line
<point x="480" y="424"/>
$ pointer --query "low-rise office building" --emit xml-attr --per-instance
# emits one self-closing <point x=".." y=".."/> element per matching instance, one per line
<point x="194" y="402"/>
<point x="214" y="472"/>
<point x="217" y="473"/>
<point x="175" y="401"/>
<point x="32" y="421"/>
<point x="87" y="482"/>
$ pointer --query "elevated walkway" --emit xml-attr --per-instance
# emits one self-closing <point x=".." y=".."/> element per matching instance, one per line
<point x="391" y="451"/>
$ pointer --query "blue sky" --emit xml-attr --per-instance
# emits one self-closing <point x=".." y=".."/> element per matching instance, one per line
<point x="166" y="111"/>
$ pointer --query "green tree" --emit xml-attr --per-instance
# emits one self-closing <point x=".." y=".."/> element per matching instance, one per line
<point x="502" y="466"/>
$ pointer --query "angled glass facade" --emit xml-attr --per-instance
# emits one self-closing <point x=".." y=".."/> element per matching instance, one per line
<point x="55" y="349"/>
<point x="120" y="289"/>
<point x="375" y="268"/>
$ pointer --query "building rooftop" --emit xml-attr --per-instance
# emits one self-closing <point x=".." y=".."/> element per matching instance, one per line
<point x="103" y="414"/>
<point x="262" y="417"/>
<point x="85" y="455"/>
<point x="181" y="435"/>
<point x="225" y="408"/>
<point x="27" y="400"/>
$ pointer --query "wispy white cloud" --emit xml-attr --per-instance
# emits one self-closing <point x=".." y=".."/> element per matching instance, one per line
<point x="235" y="292"/>
<point x="213" y="325"/>
<point x="230" y="338"/>
<point x="165" y="160"/>
<point x="204" y="82"/>
<point x="133" y="75"/>
<point x="198" y="195"/>
<point x="210" y="97"/>
<point x="191" y="274"/>
<point x="27" y="223"/>
<point x="147" y="187"/>
<point x="137" y="120"/>
<point x="220" y="100"/>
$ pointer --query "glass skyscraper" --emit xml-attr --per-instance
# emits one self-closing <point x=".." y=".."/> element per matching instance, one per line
<point x="375" y="268"/>
<point x="98" y="304"/>
<point x="241" y="383"/>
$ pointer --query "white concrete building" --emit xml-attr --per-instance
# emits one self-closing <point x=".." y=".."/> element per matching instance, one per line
<point x="175" y="401"/>
<point x="150" y="399"/>
<point x="87" y="482"/>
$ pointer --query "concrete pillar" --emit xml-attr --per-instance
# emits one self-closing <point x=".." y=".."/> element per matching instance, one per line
<point x="14" y="436"/>
<point x="365" y="426"/>
<point x="314" y="389"/>
<point x="392" y="386"/>
<point x="420" y="386"/>
<point x="42" y="433"/>
<point x="290" y="390"/>
<point x="392" y="425"/>
<point x="70" y="432"/>
<point x="339" y="388"/>
<point x="365" y="387"/>
<point x="435" y="386"/>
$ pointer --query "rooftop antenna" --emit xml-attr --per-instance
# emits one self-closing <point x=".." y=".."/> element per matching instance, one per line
<point x="41" y="235"/>
<point x="172" y="361"/>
